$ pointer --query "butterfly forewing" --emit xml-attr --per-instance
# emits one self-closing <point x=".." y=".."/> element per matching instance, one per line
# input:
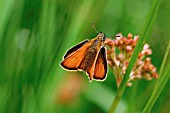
<point x="100" y="65"/>
<point x="75" y="48"/>
<point x="74" y="58"/>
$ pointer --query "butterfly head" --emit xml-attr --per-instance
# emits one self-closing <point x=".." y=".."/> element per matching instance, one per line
<point x="101" y="36"/>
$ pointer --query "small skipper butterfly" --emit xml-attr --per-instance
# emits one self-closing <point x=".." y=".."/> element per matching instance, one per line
<point x="88" y="56"/>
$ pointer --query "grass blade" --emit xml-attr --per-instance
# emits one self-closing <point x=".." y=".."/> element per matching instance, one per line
<point x="5" y="12"/>
<point x="162" y="81"/>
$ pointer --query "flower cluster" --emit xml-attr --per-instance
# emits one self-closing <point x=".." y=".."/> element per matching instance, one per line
<point x="119" y="52"/>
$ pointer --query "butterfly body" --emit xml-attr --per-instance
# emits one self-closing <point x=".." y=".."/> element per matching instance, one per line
<point x="88" y="56"/>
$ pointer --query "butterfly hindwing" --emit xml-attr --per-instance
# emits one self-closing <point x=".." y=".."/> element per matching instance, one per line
<point x="100" y="70"/>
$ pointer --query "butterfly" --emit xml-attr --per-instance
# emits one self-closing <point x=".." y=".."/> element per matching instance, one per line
<point x="88" y="56"/>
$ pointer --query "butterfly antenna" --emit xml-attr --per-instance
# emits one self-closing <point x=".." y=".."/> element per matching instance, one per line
<point x="94" y="27"/>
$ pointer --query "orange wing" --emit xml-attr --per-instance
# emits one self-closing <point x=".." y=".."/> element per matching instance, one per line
<point x="75" y="48"/>
<point x="100" y="70"/>
<point x="74" y="56"/>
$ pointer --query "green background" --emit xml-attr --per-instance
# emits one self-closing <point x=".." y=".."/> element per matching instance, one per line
<point x="34" y="35"/>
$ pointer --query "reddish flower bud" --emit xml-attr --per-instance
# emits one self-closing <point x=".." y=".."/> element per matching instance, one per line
<point x="129" y="36"/>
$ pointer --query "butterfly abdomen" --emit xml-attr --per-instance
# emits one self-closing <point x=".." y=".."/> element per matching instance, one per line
<point x="89" y="59"/>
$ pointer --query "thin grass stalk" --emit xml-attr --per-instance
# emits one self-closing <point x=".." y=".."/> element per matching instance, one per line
<point x="162" y="81"/>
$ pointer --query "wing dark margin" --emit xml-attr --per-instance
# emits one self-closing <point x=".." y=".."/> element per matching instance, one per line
<point x="75" y="48"/>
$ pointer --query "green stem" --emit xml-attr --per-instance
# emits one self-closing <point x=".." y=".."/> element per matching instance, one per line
<point x="147" y="27"/>
<point x="116" y="100"/>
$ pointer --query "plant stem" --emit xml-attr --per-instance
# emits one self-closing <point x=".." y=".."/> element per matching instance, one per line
<point x="116" y="99"/>
<point x="145" y="31"/>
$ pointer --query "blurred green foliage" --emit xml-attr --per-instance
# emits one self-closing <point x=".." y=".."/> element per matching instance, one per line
<point x="34" y="35"/>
